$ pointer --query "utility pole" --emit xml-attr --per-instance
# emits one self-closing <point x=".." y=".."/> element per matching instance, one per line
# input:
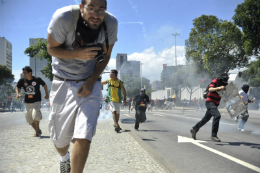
<point x="141" y="76"/>
<point x="35" y="66"/>
<point x="175" y="48"/>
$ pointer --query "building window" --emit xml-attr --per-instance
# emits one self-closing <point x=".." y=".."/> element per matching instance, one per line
<point x="121" y="61"/>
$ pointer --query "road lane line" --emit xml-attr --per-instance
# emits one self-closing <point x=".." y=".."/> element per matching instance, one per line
<point x="127" y="115"/>
<point x="197" y="142"/>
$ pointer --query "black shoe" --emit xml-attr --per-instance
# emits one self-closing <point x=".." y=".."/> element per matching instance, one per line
<point x="119" y="127"/>
<point x="193" y="133"/>
<point x="215" y="138"/>
<point x="65" y="167"/>
<point x="136" y="129"/>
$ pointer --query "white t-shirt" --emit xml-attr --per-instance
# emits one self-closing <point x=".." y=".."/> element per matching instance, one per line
<point x="242" y="93"/>
<point x="58" y="28"/>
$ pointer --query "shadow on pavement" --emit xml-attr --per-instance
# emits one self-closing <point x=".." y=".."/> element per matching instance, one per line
<point x="43" y="137"/>
<point x="132" y="121"/>
<point x="148" y="140"/>
<point x="153" y="130"/>
<point x="251" y="145"/>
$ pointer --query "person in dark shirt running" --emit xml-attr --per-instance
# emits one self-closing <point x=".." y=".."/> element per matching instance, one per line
<point x="212" y="103"/>
<point x="31" y="86"/>
<point x="141" y="100"/>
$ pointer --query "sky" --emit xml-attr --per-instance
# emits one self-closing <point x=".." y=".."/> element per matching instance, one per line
<point x="144" y="32"/>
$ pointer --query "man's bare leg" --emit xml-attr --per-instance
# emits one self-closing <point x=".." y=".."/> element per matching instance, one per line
<point x="63" y="151"/>
<point x="35" y="126"/>
<point x="115" y="118"/>
<point x="79" y="155"/>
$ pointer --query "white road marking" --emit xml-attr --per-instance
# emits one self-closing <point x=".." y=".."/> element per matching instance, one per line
<point x="200" y="119"/>
<point x="127" y="115"/>
<point x="159" y="115"/>
<point x="182" y="139"/>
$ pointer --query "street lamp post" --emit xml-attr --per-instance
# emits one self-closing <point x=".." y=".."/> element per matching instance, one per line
<point x="141" y="76"/>
<point x="175" y="48"/>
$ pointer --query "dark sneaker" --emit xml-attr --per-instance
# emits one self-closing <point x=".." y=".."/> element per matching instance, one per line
<point x="136" y="129"/>
<point x="119" y="127"/>
<point x="65" y="167"/>
<point x="39" y="132"/>
<point x="193" y="133"/>
<point x="215" y="138"/>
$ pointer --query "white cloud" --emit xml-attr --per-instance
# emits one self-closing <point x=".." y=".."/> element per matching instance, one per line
<point x="16" y="74"/>
<point x="153" y="62"/>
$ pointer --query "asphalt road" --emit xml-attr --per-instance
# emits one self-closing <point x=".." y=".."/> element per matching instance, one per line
<point x="10" y="119"/>
<point x="237" y="151"/>
<point x="168" y="134"/>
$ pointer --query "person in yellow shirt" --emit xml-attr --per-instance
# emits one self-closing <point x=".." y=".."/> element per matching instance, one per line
<point x="114" y="96"/>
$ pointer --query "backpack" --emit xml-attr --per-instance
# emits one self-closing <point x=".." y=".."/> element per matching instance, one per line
<point x="206" y="92"/>
<point x="75" y="16"/>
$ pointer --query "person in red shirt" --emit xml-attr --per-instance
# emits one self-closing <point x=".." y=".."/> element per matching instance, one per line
<point x="212" y="103"/>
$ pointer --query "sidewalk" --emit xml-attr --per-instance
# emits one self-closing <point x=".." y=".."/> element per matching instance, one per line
<point x="110" y="152"/>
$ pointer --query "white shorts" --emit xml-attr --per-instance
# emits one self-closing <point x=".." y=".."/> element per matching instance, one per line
<point x="72" y="117"/>
<point x="33" y="112"/>
<point x="113" y="106"/>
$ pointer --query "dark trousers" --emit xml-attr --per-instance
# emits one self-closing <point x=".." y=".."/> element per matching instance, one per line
<point x="140" y="117"/>
<point x="212" y="110"/>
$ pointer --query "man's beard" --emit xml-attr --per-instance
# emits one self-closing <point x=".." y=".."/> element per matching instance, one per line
<point x="94" y="26"/>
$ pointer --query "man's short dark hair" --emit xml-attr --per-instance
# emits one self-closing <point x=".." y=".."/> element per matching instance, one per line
<point x="83" y="2"/>
<point x="114" y="71"/>
<point x="28" y="69"/>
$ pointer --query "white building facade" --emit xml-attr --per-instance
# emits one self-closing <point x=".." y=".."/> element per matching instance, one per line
<point x="6" y="53"/>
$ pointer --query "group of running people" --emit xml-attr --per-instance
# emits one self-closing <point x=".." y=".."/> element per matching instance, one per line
<point x="77" y="63"/>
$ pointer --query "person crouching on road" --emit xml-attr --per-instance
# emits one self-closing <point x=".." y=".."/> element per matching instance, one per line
<point x="31" y="86"/>
<point x="212" y="103"/>
<point x="114" y="96"/>
<point x="141" y="101"/>
<point x="244" y="116"/>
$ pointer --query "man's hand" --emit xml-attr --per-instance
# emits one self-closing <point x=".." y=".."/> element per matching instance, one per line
<point x="46" y="96"/>
<point x="86" y="88"/>
<point x="221" y="87"/>
<point x="18" y="96"/>
<point x="252" y="101"/>
<point x="88" y="53"/>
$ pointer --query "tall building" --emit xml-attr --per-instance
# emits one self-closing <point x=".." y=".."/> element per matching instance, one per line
<point x="130" y="68"/>
<point x="120" y="59"/>
<point x="37" y="65"/>
<point x="156" y="85"/>
<point x="6" y="53"/>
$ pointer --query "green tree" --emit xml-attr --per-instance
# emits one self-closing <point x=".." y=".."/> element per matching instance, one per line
<point x="215" y="46"/>
<point x="247" y="17"/>
<point x="6" y="75"/>
<point x="39" y="50"/>
<point x="252" y="74"/>
<point x="133" y="85"/>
